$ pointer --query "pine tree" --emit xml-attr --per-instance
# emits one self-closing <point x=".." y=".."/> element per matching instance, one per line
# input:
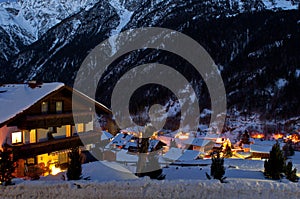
<point x="7" y="166"/>
<point x="74" y="168"/>
<point x="217" y="169"/>
<point x="275" y="165"/>
<point x="227" y="151"/>
<point x="290" y="173"/>
<point x="246" y="138"/>
<point x="288" y="149"/>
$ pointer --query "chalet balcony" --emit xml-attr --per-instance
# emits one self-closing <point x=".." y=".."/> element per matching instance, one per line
<point x="51" y="119"/>
<point x="23" y="151"/>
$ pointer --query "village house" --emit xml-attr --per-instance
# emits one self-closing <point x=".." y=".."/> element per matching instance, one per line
<point x="37" y="123"/>
<point x="260" y="149"/>
<point x="200" y="144"/>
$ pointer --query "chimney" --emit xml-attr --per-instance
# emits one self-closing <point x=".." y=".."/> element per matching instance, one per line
<point x="33" y="84"/>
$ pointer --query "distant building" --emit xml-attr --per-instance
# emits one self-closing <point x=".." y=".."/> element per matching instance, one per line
<point x="200" y="144"/>
<point x="261" y="149"/>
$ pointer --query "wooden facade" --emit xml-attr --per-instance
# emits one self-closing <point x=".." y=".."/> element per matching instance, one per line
<point x="42" y="134"/>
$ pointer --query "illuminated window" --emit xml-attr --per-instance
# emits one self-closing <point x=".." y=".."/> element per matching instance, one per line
<point x="30" y="161"/>
<point x="32" y="136"/>
<point x="80" y="128"/>
<point x="68" y="131"/>
<point x="59" y="106"/>
<point x="44" y="107"/>
<point x="16" y="137"/>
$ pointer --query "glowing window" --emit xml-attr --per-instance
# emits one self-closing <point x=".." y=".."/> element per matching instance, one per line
<point x="44" y="107"/>
<point x="59" y="106"/>
<point x="68" y="131"/>
<point x="16" y="137"/>
<point x="30" y="161"/>
<point x="32" y="135"/>
<point x="80" y="127"/>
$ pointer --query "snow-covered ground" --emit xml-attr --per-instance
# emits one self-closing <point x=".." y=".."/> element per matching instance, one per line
<point x="146" y="188"/>
<point x="111" y="180"/>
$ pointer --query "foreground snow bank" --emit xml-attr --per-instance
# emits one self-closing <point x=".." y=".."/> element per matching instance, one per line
<point x="146" y="188"/>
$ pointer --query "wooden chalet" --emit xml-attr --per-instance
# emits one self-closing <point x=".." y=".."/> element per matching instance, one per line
<point x="200" y="144"/>
<point x="261" y="149"/>
<point x="37" y="123"/>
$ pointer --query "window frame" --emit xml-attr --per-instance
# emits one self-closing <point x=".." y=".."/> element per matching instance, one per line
<point x="47" y="107"/>
<point x="17" y="141"/>
<point x="56" y="103"/>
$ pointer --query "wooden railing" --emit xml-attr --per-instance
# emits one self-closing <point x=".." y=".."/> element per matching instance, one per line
<point x="24" y="151"/>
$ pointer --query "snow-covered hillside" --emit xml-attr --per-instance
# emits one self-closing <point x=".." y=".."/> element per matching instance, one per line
<point x="281" y="4"/>
<point x="48" y="41"/>
<point x="29" y="19"/>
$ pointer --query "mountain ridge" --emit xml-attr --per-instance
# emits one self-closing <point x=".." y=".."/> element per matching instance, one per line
<point x="256" y="50"/>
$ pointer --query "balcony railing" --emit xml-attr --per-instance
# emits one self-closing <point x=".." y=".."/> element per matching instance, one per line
<point x="23" y="151"/>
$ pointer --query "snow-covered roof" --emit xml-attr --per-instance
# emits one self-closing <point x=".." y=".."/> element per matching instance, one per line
<point x="106" y="135"/>
<point x="263" y="146"/>
<point x="121" y="139"/>
<point x="260" y="148"/>
<point x="124" y="156"/>
<point x="106" y="171"/>
<point x="173" y="154"/>
<point x="198" y="141"/>
<point x="189" y="155"/>
<point x="16" y="98"/>
<point x="153" y="143"/>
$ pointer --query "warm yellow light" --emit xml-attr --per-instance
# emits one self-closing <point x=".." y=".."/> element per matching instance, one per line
<point x="258" y="136"/>
<point x="294" y="138"/>
<point x="277" y="136"/>
<point x="16" y="137"/>
<point x="183" y="137"/>
<point x="55" y="170"/>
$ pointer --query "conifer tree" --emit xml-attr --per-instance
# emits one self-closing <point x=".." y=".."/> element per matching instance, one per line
<point x="288" y="149"/>
<point x="227" y="152"/>
<point x="217" y="169"/>
<point x="275" y="165"/>
<point x="7" y="166"/>
<point x="74" y="168"/>
<point x="245" y="138"/>
<point x="290" y="173"/>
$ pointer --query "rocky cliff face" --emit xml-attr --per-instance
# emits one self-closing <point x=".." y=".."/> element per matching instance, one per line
<point x="254" y="44"/>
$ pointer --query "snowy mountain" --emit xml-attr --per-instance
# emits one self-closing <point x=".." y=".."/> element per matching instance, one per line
<point x="254" y="44"/>
<point x="25" y="21"/>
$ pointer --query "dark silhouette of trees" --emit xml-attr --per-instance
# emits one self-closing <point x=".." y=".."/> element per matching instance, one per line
<point x="217" y="169"/>
<point x="74" y="168"/>
<point x="7" y="166"/>
<point x="275" y="165"/>
<point x="290" y="173"/>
